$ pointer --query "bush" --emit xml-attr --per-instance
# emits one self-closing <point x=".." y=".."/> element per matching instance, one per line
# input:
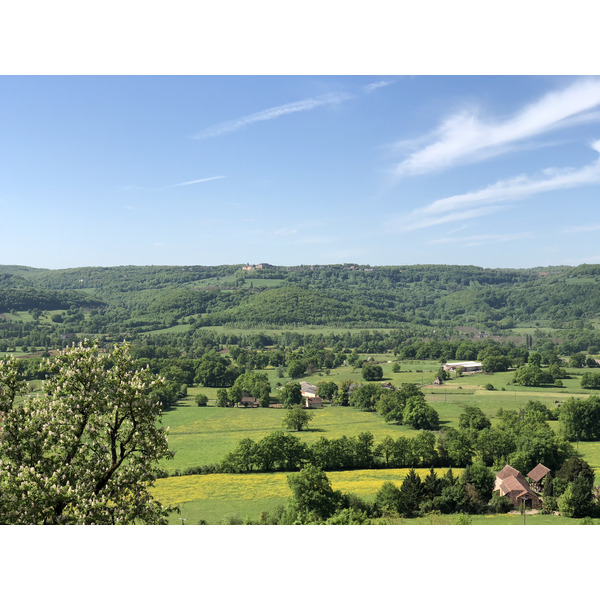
<point x="201" y="400"/>
<point x="489" y="386"/>
<point x="232" y="519"/>
<point x="500" y="504"/>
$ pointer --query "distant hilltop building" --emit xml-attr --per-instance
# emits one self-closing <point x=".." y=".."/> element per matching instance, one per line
<point x="249" y="267"/>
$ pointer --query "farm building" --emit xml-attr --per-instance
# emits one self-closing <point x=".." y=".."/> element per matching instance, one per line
<point x="308" y="390"/>
<point x="511" y="483"/>
<point x="249" y="402"/>
<point x="315" y="402"/>
<point x="537" y="477"/>
<point x="468" y="366"/>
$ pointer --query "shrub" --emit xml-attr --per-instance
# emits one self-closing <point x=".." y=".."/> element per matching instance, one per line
<point x="201" y="400"/>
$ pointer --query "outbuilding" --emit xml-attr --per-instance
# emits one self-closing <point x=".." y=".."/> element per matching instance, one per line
<point x="467" y="366"/>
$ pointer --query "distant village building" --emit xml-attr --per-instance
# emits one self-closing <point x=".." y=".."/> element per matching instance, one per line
<point x="315" y="402"/>
<point x="308" y="390"/>
<point x="468" y="366"/>
<point x="259" y="266"/>
<point x="512" y="484"/>
<point x="249" y="402"/>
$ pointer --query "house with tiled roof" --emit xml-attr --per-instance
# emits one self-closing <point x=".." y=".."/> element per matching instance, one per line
<point x="511" y="483"/>
<point x="315" y="402"/>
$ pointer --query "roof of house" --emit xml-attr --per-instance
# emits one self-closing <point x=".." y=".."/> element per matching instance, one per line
<point x="511" y="484"/>
<point x="507" y="471"/>
<point x="538" y="472"/>
<point x="308" y="387"/>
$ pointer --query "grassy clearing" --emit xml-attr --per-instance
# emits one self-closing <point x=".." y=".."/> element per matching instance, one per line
<point x="202" y="436"/>
<point x="513" y="518"/>
<point x="302" y="329"/>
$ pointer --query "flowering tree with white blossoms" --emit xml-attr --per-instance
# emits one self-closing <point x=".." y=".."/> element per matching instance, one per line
<point x="85" y="450"/>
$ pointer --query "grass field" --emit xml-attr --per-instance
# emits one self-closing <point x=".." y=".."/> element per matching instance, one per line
<point x="205" y="435"/>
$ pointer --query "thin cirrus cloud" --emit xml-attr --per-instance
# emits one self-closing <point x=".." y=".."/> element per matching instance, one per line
<point x="275" y="112"/>
<point x="194" y="181"/>
<point x="466" y="137"/>
<point x="371" y="87"/>
<point x="480" y="239"/>
<point x="496" y="196"/>
<point x="272" y="113"/>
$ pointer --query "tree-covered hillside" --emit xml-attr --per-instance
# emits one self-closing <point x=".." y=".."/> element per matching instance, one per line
<point x="137" y="299"/>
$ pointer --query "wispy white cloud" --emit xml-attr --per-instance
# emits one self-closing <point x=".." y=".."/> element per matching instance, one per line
<point x="273" y="113"/>
<point x="467" y="137"/>
<point x="194" y="181"/>
<point x="416" y="220"/>
<point x="371" y="87"/>
<point x="480" y="239"/>
<point x="496" y="196"/>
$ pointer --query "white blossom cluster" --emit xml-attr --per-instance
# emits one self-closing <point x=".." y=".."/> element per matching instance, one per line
<point x="86" y="450"/>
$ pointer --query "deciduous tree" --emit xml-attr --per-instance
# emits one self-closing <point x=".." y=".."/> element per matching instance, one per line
<point x="297" y="418"/>
<point x="86" y="450"/>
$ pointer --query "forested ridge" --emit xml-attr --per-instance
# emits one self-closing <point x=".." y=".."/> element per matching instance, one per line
<point x="336" y="295"/>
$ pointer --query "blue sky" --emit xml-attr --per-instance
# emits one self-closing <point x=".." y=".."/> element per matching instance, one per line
<point x="496" y="171"/>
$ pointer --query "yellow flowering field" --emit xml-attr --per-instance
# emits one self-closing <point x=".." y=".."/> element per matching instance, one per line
<point x="256" y="486"/>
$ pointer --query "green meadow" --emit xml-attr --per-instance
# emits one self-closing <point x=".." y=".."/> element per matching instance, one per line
<point x="202" y="436"/>
<point x="205" y="435"/>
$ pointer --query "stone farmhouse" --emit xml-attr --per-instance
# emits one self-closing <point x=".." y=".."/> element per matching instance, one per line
<point x="520" y="491"/>
<point x="309" y="394"/>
